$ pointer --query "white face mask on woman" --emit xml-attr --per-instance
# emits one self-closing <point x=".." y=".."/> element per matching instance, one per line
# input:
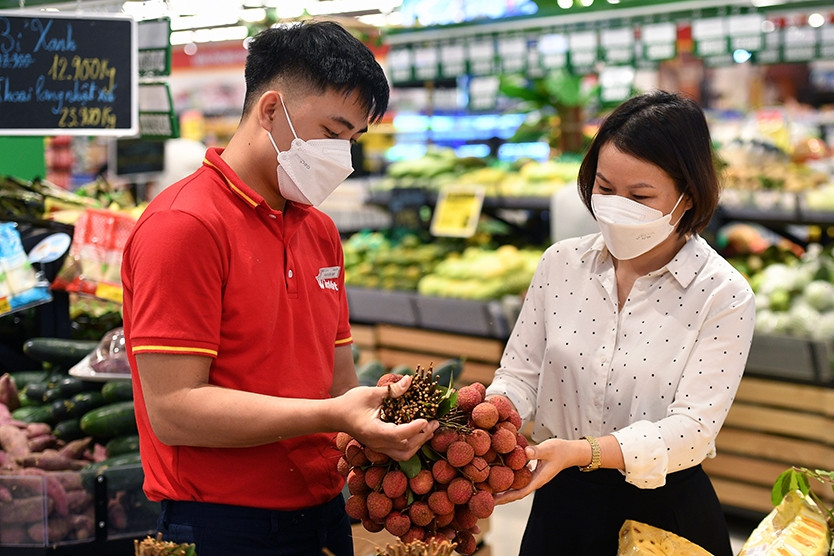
<point x="629" y="228"/>
<point x="310" y="170"/>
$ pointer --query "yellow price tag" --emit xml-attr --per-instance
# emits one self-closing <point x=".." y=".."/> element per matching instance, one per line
<point x="5" y="306"/>
<point x="457" y="211"/>
<point x="111" y="292"/>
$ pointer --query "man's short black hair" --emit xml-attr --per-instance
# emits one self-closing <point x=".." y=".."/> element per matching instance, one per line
<point x="318" y="54"/>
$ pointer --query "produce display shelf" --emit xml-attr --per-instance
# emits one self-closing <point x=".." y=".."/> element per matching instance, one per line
<point x="462" y="316"/>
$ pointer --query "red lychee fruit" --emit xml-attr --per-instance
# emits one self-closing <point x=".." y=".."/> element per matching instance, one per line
<point x="522" y="478"/>
<point x="421" y="483"/>
<point x="388" y="378"/>
<point x="468" y="398"/>
<point x="521" y="440"/>
<point x="394" y="483"/>
<point x="446" y="533"/>
<point x="355" y="454"/>
<point x="459" y="453"/>
<point x="480" y="388"/>
<point x="516" y="459"/>
<point x="372" y="526"/>
<point x="484" y="415"/>
<point x="374" y="476"/>
<point x="356" y="481"/>
<point x="500" y="478"/>
<point x="477" y="470"/>
<point x="443" y="472"/>
<point x="442" y="438"/>
<point x="480" y="441"/>
<point x="379" y="505"/>
<point x="503" y="405"/>
<point x="499" y="425"/>
<point x="356" y="507"/>
<point x="439" y="503"/>
<point x="415" y="533"/>
<point x="400" y="502"/>
<point x="342" y="466"/>
<point x="464" y="518"/>
<point x="465" y="543"/>
<point x="491" y="455"/>
<point x="445" y="519"/>
<point x="459" y="490"/>
<point x="397" y="524"/>
<point x="376" y="458"/>
<point x="503" y="441"/>
<point x="342" y="439"/>
<point x="481" y="504"/>
<point x="515" y="419"/>
<point x="420" y="513"/>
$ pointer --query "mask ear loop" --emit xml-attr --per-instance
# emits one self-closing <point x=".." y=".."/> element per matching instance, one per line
<point x="673" y="210"/>
<point x="287" y="114"/>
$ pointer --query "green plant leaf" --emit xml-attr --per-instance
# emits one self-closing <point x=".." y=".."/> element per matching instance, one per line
<point x="429" y="453"/>
<point x="411" y="466"/>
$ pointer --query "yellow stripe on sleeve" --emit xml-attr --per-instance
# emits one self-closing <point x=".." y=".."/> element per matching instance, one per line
<point x="174" y="349"/>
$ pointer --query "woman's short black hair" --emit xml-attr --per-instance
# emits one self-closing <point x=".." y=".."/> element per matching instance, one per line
<point x="671" y="132"/>
<point x="318" y="54"/>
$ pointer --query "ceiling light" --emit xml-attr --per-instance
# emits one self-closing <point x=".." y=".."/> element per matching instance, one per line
<point x="816" y="20"/>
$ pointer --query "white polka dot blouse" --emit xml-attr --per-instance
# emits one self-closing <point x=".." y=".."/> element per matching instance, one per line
<point x="660" y="374"/>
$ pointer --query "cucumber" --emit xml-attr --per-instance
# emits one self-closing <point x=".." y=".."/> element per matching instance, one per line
<point x="123" y="472"/>
<point x="35" y="391"/>
<point x="68" y="430"/>
<point x="109" y="421"/>
<point x="23" y="378"/>
<point x="58" y="351"/>
<point x="122" y="445"/>
<point x="356" y="352"/>
<point x="70" y="386"/>
<point x="33" y="414"/>
<point x="447" y="372"/>
<point x="369" y="373"/>
<point x="76" y="406"/>
<point x="402" y="369"/>
<point x="117" y="391"/>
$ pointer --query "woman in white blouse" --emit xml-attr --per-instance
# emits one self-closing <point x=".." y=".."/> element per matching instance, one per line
<point x="631" y="343"/>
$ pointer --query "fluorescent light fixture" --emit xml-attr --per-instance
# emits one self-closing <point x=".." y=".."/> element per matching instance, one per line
<point x="816" y="20"/>
<point x="210" y="34"/>
<point x="565" y="4"/>
<point x="208" y="19"/>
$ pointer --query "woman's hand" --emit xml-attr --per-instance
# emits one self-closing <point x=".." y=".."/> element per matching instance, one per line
<point x="551" y="457"/>
<point x="358" y="410"/>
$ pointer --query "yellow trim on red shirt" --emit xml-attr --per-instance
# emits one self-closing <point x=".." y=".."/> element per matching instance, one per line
<point x="347" y="340"/>
<point x="235" y="188"/>
<point x="174" y="349"/>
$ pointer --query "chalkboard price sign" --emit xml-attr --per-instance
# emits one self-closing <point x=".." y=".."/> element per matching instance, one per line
<point x="66" y="74"/>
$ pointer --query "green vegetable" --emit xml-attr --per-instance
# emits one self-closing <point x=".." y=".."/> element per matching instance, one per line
<point x="122" y="445"/>
<point x="68" y="430"/>
<point x="447" y="372"/>
<point x="369" y="373"/>
<point x="33" y="414"/>
<point x="122" y="472"/>
<point x="24" y="378"/>
<point x="117" y="391"/>
<point x="59" y="351"/>
<point x="109" y="421"/>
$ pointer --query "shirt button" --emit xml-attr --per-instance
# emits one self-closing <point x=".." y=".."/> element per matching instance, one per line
<point x="273" y="216"/>
<point x="289" y="274"/>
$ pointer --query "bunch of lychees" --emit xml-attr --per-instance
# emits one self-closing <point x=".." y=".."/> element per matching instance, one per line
<point x="449" y="485"/>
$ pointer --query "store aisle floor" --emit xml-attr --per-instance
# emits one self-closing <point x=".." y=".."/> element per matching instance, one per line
<point x="507" y="525"/>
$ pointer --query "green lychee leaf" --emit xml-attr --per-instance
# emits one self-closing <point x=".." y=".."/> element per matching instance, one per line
<point x="429" y="452"/>
<point x="411" y="466"/>
<point x="445" y="406"/>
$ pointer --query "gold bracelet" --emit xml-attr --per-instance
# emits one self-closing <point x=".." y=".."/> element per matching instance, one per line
<point x="595" y="454"/>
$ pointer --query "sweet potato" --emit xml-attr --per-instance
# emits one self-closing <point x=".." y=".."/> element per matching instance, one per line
<point x="116" y="514"/>
<point x="77" y="500"/>
<point x="57" y="529"/>
<point x="84" y="525"/>
<point x="5" y="494"/>
<point x="5" y="414"/>
<point x="14" y="441"/>
<point x="12" y="533"/>
<point x="75" y="448"/>
<point x="26" y="510"/>
<point x="70" y="481"/>
<point x="37" y="429"/>
<point x="51" y="460"/>
<point x="9" y="395"/>
<point x="41" y="442"/>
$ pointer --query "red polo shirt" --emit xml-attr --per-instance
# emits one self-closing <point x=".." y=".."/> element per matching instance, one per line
<point x="211" y="270"/>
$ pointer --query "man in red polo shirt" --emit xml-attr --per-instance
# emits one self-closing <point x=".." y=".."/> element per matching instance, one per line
<point x="237" y="320"/>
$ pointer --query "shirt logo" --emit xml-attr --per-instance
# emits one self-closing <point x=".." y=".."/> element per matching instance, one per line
<point x="327" y="278"/>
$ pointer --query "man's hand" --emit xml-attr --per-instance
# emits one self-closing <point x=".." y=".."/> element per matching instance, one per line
<point x="359" y="408"/>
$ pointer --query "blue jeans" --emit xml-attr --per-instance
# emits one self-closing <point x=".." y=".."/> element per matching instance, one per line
<point x="224" y="530"/>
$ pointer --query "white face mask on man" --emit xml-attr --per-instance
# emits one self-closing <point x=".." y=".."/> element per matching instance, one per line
<point x="311" y="170"/>
<point x="629" y="228"/>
